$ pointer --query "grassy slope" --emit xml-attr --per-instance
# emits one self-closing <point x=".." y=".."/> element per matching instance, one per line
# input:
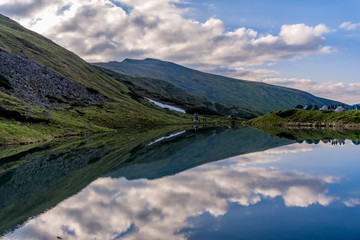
<point x="107" y="117"/>
<point x="18" y="40"/>
<point x="255" y="96"/>
<point x="167" y="92"/>
<point x="296" y="117"/>
<point x="124" y="111"/>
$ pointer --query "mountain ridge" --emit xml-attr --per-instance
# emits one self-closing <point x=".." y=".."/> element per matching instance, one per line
<point x="255" y="96"/>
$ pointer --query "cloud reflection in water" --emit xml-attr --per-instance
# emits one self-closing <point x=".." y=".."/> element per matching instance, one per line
<point x="158" y="209"/>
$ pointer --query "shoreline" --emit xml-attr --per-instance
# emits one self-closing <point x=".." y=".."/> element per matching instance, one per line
<point x="220" y="122"/>
<point x="335" y="125"/>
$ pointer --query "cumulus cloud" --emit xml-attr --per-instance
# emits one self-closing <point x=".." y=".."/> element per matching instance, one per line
<point x="302" y="35"/>
<point x="109" y="208"/>
<point x="349" y="26"/>
<point x="101" y="30"/>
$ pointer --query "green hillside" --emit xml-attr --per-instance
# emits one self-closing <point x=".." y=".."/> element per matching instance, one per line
<point x="296" y="117"/>
<point x="255" y="96"/>
<point x="167" y="92"/>
<point x="22" y="122"/>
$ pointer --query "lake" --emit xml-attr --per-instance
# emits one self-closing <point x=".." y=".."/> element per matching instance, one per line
<point x="178" y="183"/>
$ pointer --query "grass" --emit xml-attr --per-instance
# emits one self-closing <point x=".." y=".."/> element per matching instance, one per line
<point x="18" y="126"/>
<point x="295" y="117"/>
<point x="164" y="91"/>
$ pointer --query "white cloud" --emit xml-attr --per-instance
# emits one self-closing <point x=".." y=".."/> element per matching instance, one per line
<point x="345" y="92"/>
<point x="340" y="91"/>
<point x="101" y="30"/>
<point x="349" y="26"/>
<point x="300" y="34"/>
<point x="352" y="202"/>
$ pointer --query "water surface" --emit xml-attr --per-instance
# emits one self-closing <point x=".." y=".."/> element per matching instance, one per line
<point x="223" y="183"/>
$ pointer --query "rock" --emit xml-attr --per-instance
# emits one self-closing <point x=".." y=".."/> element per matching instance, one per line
<point x="47" y="114"/>
<point x="32" y="82"/>
<point x="30" y="111"/>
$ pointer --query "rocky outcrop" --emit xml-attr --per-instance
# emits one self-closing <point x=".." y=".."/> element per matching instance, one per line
<point x="40" y="86"/>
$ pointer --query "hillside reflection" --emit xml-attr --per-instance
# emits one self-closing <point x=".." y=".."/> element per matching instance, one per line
<point x="114" y="208"/>
<point x="153" y="184"/>
<point x="36" y="178"/>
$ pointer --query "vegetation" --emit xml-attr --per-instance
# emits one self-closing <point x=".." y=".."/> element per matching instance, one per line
<point x="164" y="91"/>
<point x="254" y="97"/>
<point x="22" y="123"/>
<point x="295" y="117"/>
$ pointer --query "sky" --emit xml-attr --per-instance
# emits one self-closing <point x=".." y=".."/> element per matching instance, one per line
<point x="308" y="45"/>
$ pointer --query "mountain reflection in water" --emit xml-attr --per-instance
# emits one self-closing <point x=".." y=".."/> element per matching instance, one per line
<point x="161" y="191"/>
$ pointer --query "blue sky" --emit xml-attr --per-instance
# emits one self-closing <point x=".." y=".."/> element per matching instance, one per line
<point x="309" y="45"/>
<point x="269" y="16"/>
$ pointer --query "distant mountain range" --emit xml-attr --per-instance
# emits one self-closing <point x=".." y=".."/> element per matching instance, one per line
<point x="255" y="97"/>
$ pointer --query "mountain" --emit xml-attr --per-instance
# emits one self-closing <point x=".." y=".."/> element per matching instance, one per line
<point x="254" y="96"/>
<point x="168" y="93"/>
<point x="47" y="91"/>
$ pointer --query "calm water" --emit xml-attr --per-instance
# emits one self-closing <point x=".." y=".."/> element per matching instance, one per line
<point x="207" y="184"/>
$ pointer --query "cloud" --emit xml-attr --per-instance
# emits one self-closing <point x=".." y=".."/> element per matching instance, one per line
<point x="22" y="8"/>
<point x="303" y="36"/>
<point x="102" y="30"/>
<point x="349" y="26"/>
<point x="352" y="202"/>
<point x="340" y="91"/>
<point x="345" y="92"/>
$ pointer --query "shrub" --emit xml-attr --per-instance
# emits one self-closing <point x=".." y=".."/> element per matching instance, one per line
<point x="286" y="113"/>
